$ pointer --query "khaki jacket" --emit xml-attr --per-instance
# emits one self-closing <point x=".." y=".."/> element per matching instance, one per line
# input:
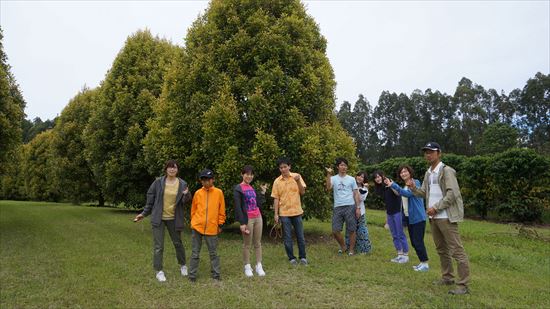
<point x="452" y="199"/>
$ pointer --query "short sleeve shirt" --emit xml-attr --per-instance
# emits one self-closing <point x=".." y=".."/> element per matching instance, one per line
<point x="342" y="188"/>
<point x="286" y="190"/>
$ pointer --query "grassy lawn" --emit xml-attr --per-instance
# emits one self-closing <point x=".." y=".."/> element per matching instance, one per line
<point x="60" y="255"/>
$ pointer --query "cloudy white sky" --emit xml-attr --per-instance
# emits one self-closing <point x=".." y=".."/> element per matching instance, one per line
<point x="57" y="47"/>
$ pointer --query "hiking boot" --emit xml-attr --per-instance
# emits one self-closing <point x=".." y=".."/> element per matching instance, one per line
<point x="460" y="290"/>
<point x="248" y="270"/>
<point x="259" y="270"/>
<point x="160" y="276"/>
<point x="444" y="282"/>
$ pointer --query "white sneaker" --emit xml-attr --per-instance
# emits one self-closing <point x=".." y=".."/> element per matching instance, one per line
<point x="184" y="270"/>
<point x="422" y="267"/>
<point x="160" y="276"/>
<point x="396" y="259"/>
<point x="403" y="259"/>
<point x="248" y="270"/>
<point x="259" y="270"/>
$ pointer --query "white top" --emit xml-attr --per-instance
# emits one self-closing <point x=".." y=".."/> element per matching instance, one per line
<point x="362" y="198"/>
<point x="405" y="201"/>
<point x="435" y="191"/>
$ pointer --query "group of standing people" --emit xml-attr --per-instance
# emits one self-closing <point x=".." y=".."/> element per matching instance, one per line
<point x="404" y="208"/>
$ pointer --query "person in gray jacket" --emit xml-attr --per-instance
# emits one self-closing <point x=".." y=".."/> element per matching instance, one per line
<point x="445" y="209"/>
<point x="165" y="199"/>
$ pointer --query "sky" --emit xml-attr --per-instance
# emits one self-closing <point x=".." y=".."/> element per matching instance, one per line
<point x="55" y="48"/>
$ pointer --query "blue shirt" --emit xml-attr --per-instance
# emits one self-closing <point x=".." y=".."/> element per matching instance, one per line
<point x="342" y="188"/>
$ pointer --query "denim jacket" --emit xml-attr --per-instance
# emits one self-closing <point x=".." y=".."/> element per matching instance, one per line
<point x="417" y="212"/>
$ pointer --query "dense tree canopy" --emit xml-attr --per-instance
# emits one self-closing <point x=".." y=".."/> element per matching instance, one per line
<point x="76" y="180"/>
<point x="114" y="134"/>
<point x="12" y="114"/>
<point x="253" y="84"/>
<point x="471" y="121"/>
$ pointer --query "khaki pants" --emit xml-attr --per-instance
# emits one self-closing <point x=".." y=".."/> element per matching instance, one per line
<point x="255" y="226"/>
<point x="448" y="244"/>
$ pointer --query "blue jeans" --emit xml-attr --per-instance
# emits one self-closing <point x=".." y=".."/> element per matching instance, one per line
<point x="398" y="234"/>
<point x="288" y="223"/>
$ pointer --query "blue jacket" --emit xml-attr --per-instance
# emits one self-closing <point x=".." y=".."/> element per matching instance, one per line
<point x="417" y="212"/>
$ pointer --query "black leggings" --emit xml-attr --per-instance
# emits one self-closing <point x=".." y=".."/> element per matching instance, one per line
<point x="416" y="234"/>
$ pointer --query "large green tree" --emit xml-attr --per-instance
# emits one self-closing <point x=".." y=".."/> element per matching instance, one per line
<point x="497" y="137"/>
<point x="534" y="111"/>
<point x="253" y="84"/>
<point x="77" y="182"/>
<point x="12" y="106"/>
<point x="39" y="169"/>
<point x="117" y="125"/>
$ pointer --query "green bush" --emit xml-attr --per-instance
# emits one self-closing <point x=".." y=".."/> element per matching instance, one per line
<point x="520" y="180"/>
<point x="514" y="185"/>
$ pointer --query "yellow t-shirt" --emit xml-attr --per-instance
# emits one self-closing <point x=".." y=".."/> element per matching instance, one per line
<point x="288" y="193"/>
<point x="169" y="201"/>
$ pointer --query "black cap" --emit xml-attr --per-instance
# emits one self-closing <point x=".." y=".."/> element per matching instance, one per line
<point x="432" y="146"/>
<point x="206" y="173"/>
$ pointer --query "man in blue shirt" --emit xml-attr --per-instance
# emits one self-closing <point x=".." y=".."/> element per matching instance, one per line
<point x="347" y="204"/>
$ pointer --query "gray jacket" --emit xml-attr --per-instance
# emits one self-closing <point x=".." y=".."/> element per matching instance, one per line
<point x="155" y="202"/>
<point x="452" y="199"/>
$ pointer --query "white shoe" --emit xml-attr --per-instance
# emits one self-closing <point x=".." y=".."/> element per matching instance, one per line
<point x="248" y="270"/>
<point x="422" y="267"/>
<point x="259" y="270"/>
<point x="184" y="270"/>
<point x="160" y="276"/>
<point x="403" y="259"/>
<point x="396" y="259"/>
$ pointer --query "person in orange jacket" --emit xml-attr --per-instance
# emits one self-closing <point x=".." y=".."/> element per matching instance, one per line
<point x="207" y="214"/>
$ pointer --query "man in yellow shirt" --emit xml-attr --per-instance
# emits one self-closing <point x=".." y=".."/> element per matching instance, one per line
<point x="286" y="193"/>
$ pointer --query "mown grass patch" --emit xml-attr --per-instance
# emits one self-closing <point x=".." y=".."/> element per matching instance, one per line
<point x="61" y="255"/>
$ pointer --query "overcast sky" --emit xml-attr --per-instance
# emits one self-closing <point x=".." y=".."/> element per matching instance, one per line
<point x="57" y="47"/>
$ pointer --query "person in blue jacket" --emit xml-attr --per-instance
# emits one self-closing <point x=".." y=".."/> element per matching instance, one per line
<point x="414" y="215"/>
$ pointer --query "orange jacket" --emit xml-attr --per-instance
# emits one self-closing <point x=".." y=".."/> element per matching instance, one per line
<point x="208" y="211"/>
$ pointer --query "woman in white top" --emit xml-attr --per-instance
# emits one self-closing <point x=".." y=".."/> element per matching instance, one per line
<point x="362" y="242"/>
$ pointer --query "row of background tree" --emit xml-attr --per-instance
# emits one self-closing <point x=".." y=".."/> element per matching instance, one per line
<point x="471" y="121"/>
<point x="252" y="84"/>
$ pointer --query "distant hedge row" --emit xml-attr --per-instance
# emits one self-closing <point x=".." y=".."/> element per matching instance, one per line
<point x="511" y="186"/>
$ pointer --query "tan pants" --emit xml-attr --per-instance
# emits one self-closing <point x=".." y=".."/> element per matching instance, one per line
<point x="448" y="244"/>
<point x="255" y="226"/>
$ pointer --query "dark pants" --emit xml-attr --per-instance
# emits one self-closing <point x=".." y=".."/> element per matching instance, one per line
<point x="296" y="223"/>
<point x="196" y="244"/>
<point x="416" y="234"/>
<point x="158" y="243"/>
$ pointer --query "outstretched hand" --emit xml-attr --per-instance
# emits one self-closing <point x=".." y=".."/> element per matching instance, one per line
<point x="138" y="218"/>
<point x="410" y="183"/>
<point x="329" y="170"/>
